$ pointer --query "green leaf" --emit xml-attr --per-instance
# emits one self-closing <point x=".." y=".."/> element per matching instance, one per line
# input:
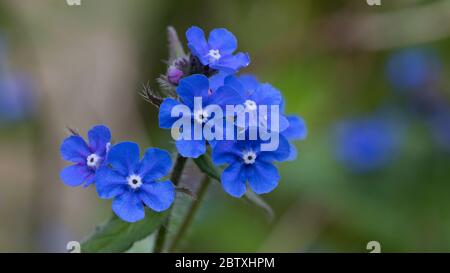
<point x="118" y="236"/>
<point x="205" y="164"/>
<point x="175" y="47"/>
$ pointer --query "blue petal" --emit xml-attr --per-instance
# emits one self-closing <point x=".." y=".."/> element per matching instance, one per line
<point x="75" y="149"/>
<point x="124" y="157"/>
<point x="280" y="154"/>
<point x="224" y="152"/>
<point x="262" y="177"/>
<point x="197" y="43"/>
<point x="249" y="82"/>
<point x="266" y="94"/>
<point x="99" y="136"/>
<point x="196" y="85"/>
<point x="89" y="180"/>
<point x="165" y="109"/>
<point x="223" y="40"/>
<point x="75" y="175"/>
<point x="233" y="180"/>
<point x="292" y="152"/>
<point x="155" y="164"/>
<point x="217" y="80"/>
<point x="235" y="83"/>
<point x="231" y="64"/>
<point x="129" y="207"/>
<point x="284" y="123"/>
<point x="297" y="128"/>
<point x="109" y="183"/>
<point x="191" y="148"/>
<point x="158" y="196"/>
<point x="225" y="95"/>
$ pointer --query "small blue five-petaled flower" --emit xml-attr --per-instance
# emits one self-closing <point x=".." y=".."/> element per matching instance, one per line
<point x="134" y="183"/>
<point x="217" y="51"/>
<point x="189" y="88"/>
<point x="254" y="95"/>
<point x="248" y="163"/>
<point x="87" y="157"/>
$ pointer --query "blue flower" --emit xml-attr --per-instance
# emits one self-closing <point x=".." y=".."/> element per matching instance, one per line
<point x="413" y="69"/>
<point x="87" y="158"/>
<point x="17" y="101"/>
<point x="134" y="183"/>
<point x="195" y="86"/>
<point x="248" y="163"/>
<point x="254" y="95"/>
<point x="366" y="144"/>
<point x="217" y="52"/>
<point x="439" y="123"/>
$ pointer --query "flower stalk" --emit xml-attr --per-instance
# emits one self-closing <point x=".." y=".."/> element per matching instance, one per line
<point x="191" y="213"/>
<point x="175" y="178"/>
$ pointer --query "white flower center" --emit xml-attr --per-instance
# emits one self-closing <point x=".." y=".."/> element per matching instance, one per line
<point x="134" y="181"/>
<point x="93" y="160"/>
<point x="249" y="157"/>
<point x="214" y="55"/>
<point x="250" y="105"/>
<point x="201" y="116"/>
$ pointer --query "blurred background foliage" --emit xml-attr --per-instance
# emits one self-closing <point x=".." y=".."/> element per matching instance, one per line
<point x="370" y="81"/>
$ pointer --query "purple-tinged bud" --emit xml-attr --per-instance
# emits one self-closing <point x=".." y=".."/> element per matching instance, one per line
<point x="174" y="75"/>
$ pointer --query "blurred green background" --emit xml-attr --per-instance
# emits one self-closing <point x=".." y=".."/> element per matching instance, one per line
<point x="78" y="66"/>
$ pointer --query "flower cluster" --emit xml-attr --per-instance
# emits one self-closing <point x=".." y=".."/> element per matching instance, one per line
<point x="221" y="87"/>
<point x="118" y="173"/>
<point x="206" y="84"/>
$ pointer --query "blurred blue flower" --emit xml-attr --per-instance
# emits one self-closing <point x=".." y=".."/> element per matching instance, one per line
<point x="413" y="69"/>
<point x="87" y="158"/>
<point x="247" y="163"/>
<point x="17" y="101"/>
<point x="195" y="86"/>
<point x="439" y="122"/>
<point x="134" y="183"/>
<point x="17" y="98"/>
<point x="366" y="144"/>
<point x="217" y="52"/>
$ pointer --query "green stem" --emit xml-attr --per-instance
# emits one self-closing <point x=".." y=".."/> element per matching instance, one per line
<point x="175" y="178"/>
<point x="191" y="213"/>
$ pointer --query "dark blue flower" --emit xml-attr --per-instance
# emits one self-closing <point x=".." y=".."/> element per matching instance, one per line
<point x="366" y="144"/>
<point x="87" y="158"/>
<point x="134" y="183"/>
<point x="195" y="86"/>
<point x="217" y="52"/>
<point x="248" y="163"/>
<point x="413" y="69"/>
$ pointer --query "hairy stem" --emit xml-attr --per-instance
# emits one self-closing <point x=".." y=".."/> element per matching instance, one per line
<point x="175" y="178"/>
<point x="191" y="214"/>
